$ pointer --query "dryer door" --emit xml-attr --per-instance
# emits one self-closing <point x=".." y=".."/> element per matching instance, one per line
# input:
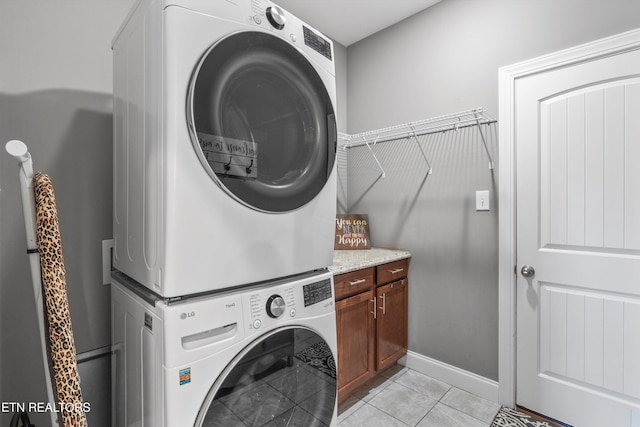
<point x="286" y="377"/>
<point x="262" y="122"/>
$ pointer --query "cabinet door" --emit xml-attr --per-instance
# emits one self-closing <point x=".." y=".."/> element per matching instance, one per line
<point x="355" y="323"/>
<point x="392" y="323"/>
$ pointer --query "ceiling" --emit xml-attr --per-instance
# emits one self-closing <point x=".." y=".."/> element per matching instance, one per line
<point x="348" y="21"/>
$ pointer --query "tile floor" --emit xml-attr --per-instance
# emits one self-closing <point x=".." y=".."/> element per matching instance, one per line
<point x="403" y="397"/>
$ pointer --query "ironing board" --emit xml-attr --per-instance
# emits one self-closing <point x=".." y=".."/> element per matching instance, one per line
<point x="62" y="348"/>
<point x="56" y="336"/>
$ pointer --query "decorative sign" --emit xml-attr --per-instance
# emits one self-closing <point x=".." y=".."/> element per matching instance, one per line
<point x="352" y="232"/>
<point x="228" y="156"/>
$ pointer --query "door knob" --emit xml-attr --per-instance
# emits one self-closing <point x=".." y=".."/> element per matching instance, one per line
<point x="527" y="271"/>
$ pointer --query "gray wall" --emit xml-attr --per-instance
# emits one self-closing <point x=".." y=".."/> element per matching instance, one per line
<point x="441" y="61"/>
<point x="55" y="95"/>
<point x="445" y="59"/>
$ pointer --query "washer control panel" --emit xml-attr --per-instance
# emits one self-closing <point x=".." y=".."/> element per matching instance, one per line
<point x="275" y="306"/>
<point x="265" y="304"/>
<point x="318" y="291"/>
<point x="286" y="302"/>
<point x="276" y="17"/>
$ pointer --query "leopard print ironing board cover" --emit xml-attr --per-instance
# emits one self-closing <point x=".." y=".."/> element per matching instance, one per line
<point x="62" y="349"/>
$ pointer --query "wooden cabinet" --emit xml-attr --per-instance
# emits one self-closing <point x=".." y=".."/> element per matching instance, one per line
<point x="371" y="315"/>
<point x="392" y="271"/>
<point x="354" y="282"/>
<point x="391" y="333"/>
<point x="356" y="349"/>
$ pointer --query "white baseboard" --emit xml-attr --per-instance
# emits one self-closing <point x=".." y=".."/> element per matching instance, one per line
<point x="459" y="378"/>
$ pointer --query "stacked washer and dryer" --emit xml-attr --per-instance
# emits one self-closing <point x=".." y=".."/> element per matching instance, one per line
<point x="224" y="208"/>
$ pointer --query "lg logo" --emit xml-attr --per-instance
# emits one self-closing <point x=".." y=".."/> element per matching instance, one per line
<point x="187" y="315"/>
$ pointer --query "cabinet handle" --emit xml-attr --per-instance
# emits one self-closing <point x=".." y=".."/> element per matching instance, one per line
<point x="357" y="282"/>
<point x="375" y="316"/>
<point x="396" y="271"/>
<point x="384" y="303"/>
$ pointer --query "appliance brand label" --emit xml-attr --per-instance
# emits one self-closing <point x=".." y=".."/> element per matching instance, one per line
<point x="187" y="315"/>
<point x="185" y="376"/>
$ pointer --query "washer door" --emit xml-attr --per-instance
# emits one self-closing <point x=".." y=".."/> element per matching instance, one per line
<point x="262" y="122"/>
<point x="287" y="377"/>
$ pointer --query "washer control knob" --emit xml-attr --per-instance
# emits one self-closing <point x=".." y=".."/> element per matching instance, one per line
<point x="276" y="17"/>
<point x="275" y="306"/>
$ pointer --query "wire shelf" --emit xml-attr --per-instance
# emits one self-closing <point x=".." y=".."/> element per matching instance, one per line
<point x="411" y="130"/>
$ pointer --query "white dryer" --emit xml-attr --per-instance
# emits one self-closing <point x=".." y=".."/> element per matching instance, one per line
<point x="259" y="356"/>
<point x="224" y="145"/>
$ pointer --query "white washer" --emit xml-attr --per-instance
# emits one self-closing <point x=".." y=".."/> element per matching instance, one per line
<point x="248" y="357"/>
<point x="224" y="145"/>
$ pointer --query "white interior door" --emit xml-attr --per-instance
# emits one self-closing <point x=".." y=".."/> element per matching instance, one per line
<point x="577" y="139"/>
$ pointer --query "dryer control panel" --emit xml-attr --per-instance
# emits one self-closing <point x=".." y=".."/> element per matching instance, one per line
<point x="268" y="15"/>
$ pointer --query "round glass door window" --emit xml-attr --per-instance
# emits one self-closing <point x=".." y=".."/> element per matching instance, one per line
<point x="285" y="378"/>
<point x="262" y="122"/>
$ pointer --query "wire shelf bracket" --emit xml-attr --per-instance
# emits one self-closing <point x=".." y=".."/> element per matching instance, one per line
<point x="384" y="174"/>
<point x="484" y="141"/>
<point x="414" y="136"/>
<point x="345" y="138"/>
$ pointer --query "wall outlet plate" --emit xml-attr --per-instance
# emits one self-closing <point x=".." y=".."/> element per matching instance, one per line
<point x="107" y="249"/>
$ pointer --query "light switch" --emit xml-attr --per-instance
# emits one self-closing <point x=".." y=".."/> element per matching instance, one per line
<point x="482" y="200"/>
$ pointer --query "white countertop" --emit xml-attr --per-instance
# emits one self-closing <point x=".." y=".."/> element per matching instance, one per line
<point x="345" y="261"/>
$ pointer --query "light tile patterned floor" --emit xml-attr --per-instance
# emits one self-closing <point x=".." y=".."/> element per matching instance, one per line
<point x="404" y="397"/>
